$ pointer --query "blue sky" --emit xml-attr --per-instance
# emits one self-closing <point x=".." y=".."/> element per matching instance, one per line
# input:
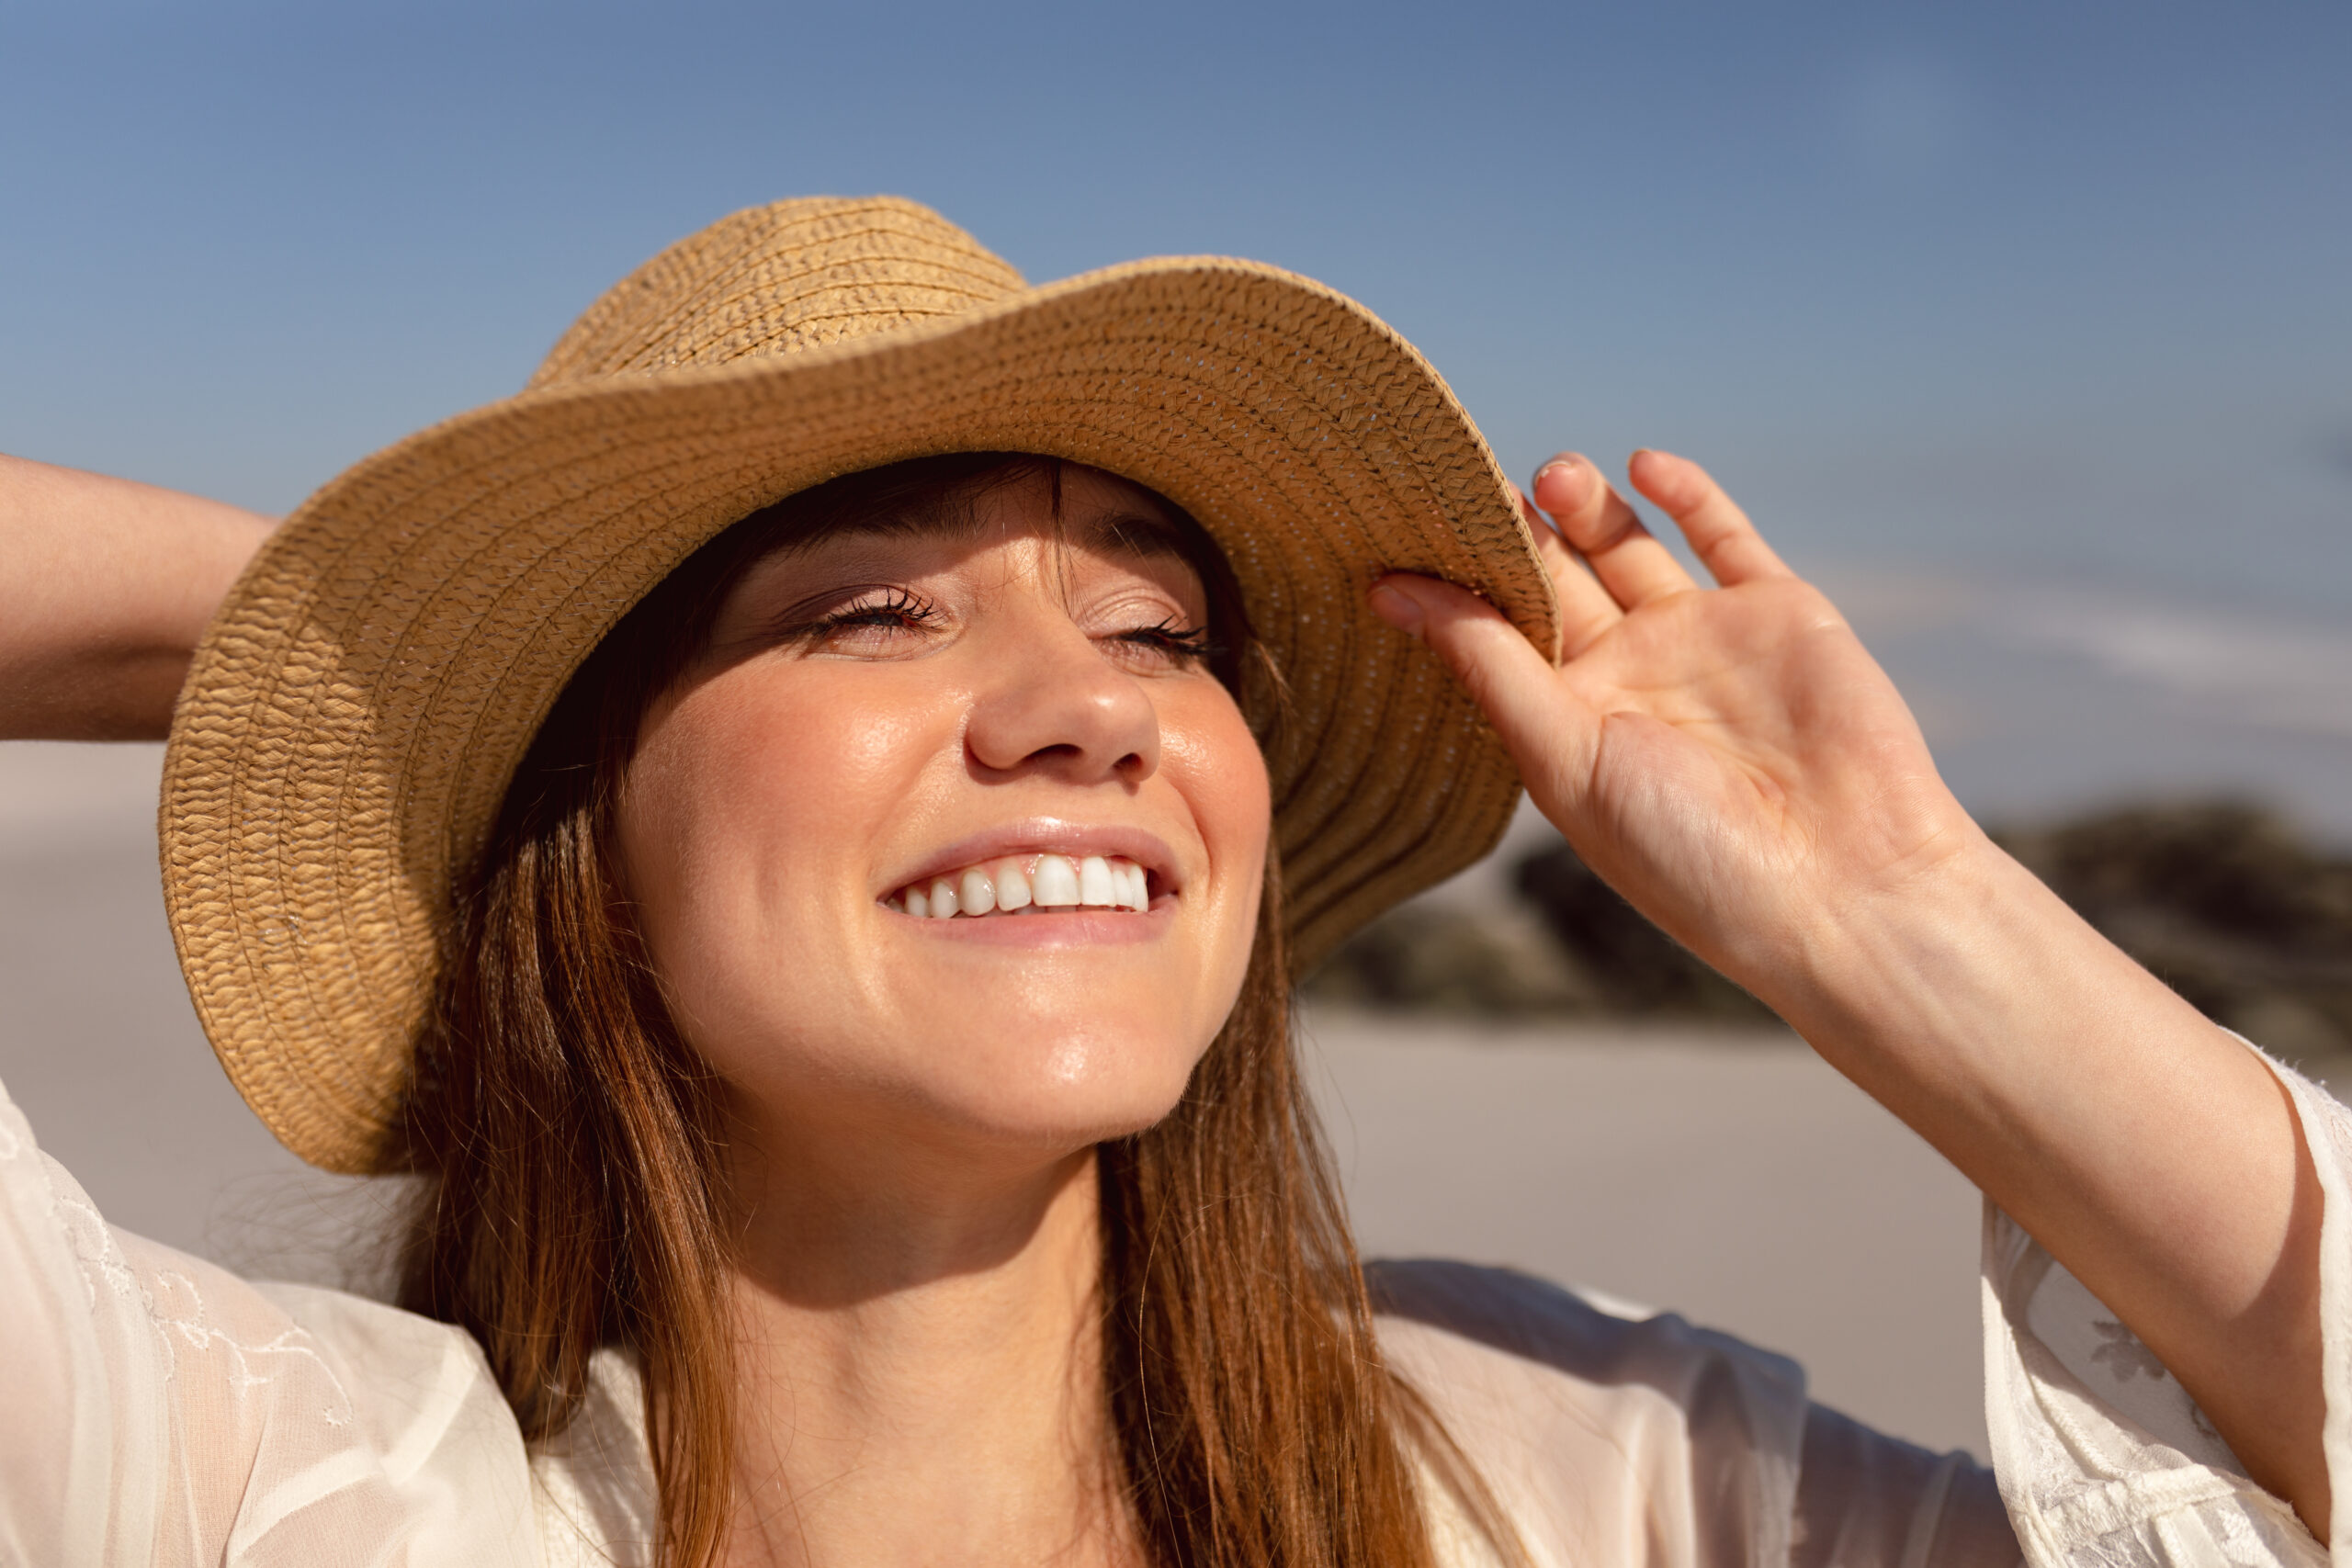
<point x="2002" y="294"/>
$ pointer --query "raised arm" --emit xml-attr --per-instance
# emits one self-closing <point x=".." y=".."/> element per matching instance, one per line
<point x="1736" y="765"/>
<point x="105" y="587"/>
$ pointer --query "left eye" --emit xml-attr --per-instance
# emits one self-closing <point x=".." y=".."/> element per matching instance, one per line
<point x="893" y="610"/>
<point x="1167" y="643"/>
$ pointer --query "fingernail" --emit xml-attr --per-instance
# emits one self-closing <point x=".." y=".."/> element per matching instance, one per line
<point x="1397" y="608"/>
<point x="1558" y="465"/>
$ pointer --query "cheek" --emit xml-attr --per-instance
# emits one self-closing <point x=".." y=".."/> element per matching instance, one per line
<point x="1207" y="751"/>
<point x="755" y="818"/>
<point x="1237" y="804"/>
<point x="747" y="824"/>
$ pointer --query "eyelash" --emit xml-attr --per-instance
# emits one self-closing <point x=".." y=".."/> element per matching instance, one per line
<point x="898" y="607"/>
<point x="1192" y="646"/>
<point x="902" y="608"/>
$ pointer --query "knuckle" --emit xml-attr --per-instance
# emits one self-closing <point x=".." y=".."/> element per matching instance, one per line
<point x="1717" y="531"/>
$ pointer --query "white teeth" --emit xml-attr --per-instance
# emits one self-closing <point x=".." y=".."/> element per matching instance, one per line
<point x="1021" y="882"/>
<point x="1055" y="882"/>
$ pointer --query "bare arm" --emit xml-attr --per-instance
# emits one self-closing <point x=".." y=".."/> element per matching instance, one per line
<point x="105" y="587"/>
<point x="1736" y="764"/>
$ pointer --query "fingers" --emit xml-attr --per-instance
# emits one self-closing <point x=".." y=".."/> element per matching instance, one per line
<point x="1550" y="734"/>
<point x="1593" y="517"/>
<point x="1586" y="608"/>
<point x="1719" y="534"/>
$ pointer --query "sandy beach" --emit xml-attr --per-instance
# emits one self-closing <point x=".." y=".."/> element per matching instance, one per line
<point x="1729" y="1177"/>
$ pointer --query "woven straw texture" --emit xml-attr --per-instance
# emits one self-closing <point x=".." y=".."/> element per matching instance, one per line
<point x="359" y="704"/>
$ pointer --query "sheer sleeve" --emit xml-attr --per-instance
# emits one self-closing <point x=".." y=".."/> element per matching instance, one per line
<point x="1635" y="1439"/>
<point x="159" y="1410"/>
<point x="1864" y="1498"/>
<point x="2103" y="1459"/>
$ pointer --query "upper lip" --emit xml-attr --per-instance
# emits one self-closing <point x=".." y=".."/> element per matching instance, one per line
<point x="1050" y="836"/>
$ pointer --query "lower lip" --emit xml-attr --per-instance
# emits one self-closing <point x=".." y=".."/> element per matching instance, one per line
<point x="1062" y="928"/>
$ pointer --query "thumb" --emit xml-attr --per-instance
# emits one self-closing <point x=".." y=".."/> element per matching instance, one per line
<point x="1550" y="733"/>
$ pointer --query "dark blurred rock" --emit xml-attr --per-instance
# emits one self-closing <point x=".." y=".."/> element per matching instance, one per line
<point x="1573" y="947"/>
<point x="2221" y="900"/>
<point x="1451" y="960"/>
<point x="1636" y="969"/>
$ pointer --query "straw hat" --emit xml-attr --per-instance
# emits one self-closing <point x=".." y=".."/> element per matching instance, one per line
<point x="367" y="689"/>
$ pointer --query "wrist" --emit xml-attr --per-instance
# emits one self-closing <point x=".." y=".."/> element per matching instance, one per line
<point x="1936" y="959"/>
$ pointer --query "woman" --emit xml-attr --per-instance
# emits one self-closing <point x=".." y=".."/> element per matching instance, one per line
<point x="797" y="831"/>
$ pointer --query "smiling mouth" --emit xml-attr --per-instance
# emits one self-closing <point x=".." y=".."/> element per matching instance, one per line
<point x="1022" y="885"/>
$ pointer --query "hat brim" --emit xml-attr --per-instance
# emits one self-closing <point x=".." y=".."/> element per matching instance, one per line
<point x="357" y="710"/>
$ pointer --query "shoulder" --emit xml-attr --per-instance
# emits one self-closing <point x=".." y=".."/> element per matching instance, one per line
<point x="208" y="1415"/>
<point x="1518" y="1324"/>
<point x="587" y="1494"/>
<point x="416" y="1386"/>
<point x="1591" y="1421"/>
<point x="299" y="1414"/>
<point x="598" y="1501"/>
<point x="374" y="1376"/>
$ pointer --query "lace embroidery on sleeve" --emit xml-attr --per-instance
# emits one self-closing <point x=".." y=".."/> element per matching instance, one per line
<point x="2101" y="1465"/>
<point x="190" y="1325"/>
<point x="2104" y="1460"/>
<point x="157" y="1410"/>
<point x="174" y="1310"/>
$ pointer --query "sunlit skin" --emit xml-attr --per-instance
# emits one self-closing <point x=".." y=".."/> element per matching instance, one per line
<point x="880" y="706"/>
<point x="917" y="1100"/>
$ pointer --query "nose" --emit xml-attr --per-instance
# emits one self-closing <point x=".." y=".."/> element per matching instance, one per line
<point x="1052" y="703"/>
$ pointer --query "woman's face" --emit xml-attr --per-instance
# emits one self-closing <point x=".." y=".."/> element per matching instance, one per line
<point x="997" y="712"/>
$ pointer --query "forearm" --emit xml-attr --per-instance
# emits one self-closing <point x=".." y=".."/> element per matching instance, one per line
<point x="2153" y="1155"/>
<point x="1739" y="768"/>
<point x="105" y="587"/>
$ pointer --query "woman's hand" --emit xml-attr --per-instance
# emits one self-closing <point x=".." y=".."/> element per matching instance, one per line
<point x="1731" y="761"/>
<point x="1735" y="763"/>
<point x="105" y="587"/>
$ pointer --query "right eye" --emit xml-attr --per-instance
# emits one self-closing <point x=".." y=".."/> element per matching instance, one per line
<point x="878" y="622"/>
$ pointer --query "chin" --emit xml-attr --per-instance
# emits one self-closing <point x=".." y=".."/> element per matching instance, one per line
<point x="1078" y="1092"/>
<point x="1065" y="1059"/>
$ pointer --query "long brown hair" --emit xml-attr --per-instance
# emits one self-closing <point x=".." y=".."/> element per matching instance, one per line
<point x="569" y="1143"/>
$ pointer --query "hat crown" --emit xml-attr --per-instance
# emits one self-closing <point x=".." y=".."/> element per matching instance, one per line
<point x="777" y="279"/>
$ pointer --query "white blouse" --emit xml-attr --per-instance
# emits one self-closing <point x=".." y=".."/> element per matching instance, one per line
<point x="155" y="1409"/>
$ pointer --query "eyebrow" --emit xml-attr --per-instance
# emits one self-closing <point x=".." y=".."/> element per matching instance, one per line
<point x="1136" y="533"/>
<point x="1127" y="531"/>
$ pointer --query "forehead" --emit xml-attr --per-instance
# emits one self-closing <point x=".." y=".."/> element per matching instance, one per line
<point x="1073" y="505"/>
